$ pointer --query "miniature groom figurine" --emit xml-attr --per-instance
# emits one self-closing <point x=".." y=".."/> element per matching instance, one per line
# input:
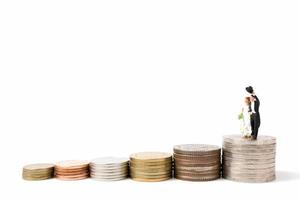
<point x="254" y="110"/>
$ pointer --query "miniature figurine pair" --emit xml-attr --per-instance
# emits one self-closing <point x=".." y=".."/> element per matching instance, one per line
<point x="250" y="117"/>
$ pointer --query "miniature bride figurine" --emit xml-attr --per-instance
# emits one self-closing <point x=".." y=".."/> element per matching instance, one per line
<point x="245" y="119"/>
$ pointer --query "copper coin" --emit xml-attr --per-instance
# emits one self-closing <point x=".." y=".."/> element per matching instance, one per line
<point x="195" y="163"/>
<point x="188" y="178"/>
<point x="72" y="164"/>
<point x="196" y="149"/>
<point x="194" y="172"/>
<point x="71" y="178"/>
<point x="195" y="157"/>
<point x="71" y="170"/>
<point x="198" y="161"/>
<point x="71" y="174"/>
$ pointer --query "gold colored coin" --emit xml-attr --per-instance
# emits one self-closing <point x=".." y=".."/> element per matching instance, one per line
<point x="38" y="171"/>
<point x="150" y="157"/>
<point x="150" y="179"/>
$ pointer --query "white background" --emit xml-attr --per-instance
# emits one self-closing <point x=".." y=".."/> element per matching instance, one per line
<point x="83" y="79"/>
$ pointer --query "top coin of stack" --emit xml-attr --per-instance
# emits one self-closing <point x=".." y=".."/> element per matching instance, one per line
<point x="151" y="166"/>
<point x="249" y="160"/>
<point x="109" y="168"/>
<point x="197" y="162"/>
<point x="38" y="171"/>
<point x="72" y="170"/>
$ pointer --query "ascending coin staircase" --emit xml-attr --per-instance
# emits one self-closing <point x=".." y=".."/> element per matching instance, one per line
<point x="242" y="159"/>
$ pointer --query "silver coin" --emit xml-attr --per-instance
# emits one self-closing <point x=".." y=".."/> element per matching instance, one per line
<point x="249" y="161"/>
<point x="261" y="140"/>
<point x="251" y="180"/>
<point x="110" y="171"/>
<point x="248" y="156"/>
<point x="109" y="174"/>
<point x="109" y="161"/>
<point x="108" y="179"/>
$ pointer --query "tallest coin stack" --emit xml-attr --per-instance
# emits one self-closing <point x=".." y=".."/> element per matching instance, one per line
<point x="249" y="160"/>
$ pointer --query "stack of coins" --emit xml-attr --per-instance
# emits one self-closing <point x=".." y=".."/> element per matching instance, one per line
<point x="109" y="168"/>
<point x="39" y="171"/>
<point x="197" y="162"/>
<point x="72" y="170"/>
<point x="247" y="160"/>
<point x="151" y="166"/>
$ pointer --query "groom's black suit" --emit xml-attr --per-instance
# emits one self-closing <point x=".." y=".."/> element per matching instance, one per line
<point x="255" y="117"/>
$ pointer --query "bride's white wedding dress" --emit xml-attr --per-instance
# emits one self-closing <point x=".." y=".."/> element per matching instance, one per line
<point x="245" y="121"/>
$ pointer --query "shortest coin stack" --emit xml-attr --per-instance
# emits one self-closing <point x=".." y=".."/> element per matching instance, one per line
<point x="109" y="168"/>
<point x="197" y="162"/>
<point x="72" y="170"/>
<point x="39" y="171"/>
<point x="151" y="166"/>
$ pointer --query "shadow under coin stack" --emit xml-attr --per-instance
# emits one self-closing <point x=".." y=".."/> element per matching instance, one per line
<point x="109" y="168"/>
<point x="72" y="170"/>
<point x="39" y="171"/>
<point x="249" y="160"/>
<point x="151" y="166"/>
<point x="197" y="162"/>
